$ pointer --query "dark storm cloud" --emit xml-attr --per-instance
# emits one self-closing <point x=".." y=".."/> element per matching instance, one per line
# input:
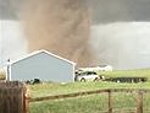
<point x="103" y="11"/>
<point x="108" y="11"/>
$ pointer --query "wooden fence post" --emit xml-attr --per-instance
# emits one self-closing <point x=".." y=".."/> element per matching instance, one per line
<point x="25" y="101"/>
<point x="109" y="101"/>
<point x="140" y="102"/>
<point x="12" y="97"/>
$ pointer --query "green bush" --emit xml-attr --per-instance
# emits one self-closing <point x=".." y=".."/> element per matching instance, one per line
<point x="2" y="76"/>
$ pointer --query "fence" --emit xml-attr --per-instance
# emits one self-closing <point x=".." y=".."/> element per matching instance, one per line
<point x="110" y="92"/>
<point x="12" y="97"/>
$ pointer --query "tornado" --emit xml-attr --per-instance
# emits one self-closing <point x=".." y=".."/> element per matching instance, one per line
<point x="59" y="26"/>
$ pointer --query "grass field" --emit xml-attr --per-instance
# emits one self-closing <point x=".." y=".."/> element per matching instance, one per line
<point x="54" y="88"/>
<point x="89" y="104"/>
<point x="48" y="89"/>
<point x="127" y="73"/>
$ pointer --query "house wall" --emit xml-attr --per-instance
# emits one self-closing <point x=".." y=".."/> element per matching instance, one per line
<point x="44" y="67"/>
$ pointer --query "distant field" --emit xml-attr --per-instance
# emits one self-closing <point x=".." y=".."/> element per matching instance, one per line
<point x="127" y="73"/>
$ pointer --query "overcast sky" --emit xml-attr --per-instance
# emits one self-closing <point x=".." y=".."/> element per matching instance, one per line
<point x="120" y="32"/>
<point x="103" y="11"/>
<point x="108" y="11"/>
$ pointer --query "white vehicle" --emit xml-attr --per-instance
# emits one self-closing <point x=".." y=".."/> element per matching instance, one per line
<point x="88" y="76"/>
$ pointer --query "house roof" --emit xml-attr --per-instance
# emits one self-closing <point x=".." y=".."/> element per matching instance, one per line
<point x="43" y="51"/>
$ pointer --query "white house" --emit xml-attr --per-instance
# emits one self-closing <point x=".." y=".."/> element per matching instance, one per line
<point x="43" y="65"/>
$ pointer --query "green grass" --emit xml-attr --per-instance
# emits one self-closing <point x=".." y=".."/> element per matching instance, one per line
<point x="93" y="103"/>
<point x="54" y="89"/>
<point x="127" y="73"/>
<point x="74" y="105"/>
<point x="2" y="77"/>
<point x="88" y="104"/>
